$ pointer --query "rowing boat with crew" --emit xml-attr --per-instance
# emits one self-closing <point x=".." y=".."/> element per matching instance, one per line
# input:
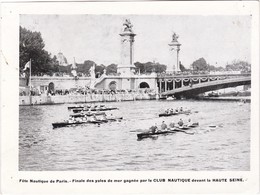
<point x="174" y="113"/>
<point x="85" y="106"/>
<point x="87" y="114"/>
<point x="73" y="123"/>
<point x="167" y="131"/>
<point x="77" y="110"/>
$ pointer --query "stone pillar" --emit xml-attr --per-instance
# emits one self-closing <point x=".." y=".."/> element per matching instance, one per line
<point x="174" y="63"/>
<point x="126" y="66"/>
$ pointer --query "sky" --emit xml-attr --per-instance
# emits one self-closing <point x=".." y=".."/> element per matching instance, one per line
<point x="218" y="39"/>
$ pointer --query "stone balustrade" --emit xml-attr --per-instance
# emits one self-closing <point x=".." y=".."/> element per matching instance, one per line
<point x="60" y="99"/>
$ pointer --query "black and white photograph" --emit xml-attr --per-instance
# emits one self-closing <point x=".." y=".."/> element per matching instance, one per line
<point x="135" y="92"/>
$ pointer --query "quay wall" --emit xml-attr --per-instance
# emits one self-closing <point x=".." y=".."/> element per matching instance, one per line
<point x="60" y="99"/>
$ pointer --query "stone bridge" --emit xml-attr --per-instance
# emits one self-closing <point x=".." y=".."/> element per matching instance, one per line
<point x="191" y="85"/>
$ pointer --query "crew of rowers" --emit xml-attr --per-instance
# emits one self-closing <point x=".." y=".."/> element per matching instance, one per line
<point x="171" y="110"/>
<point x="86" y="118"/>
<point x="172" y="125"/>
<point x="90" y="106"/>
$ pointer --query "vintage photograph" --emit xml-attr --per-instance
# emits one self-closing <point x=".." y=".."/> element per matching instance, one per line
<point x="134" y="92"/>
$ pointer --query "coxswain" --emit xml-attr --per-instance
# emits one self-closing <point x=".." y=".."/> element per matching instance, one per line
<point x="163" y="126"/>
<point x="94" y="117"/>
<point x="180" y="123"/>
<point x="85" y="118"/>
<point x="70" y="120"/>
<point x="189" y="122"/>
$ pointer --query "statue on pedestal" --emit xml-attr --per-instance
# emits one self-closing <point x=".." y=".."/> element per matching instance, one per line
<point x="128" y="26"/>
<point x="92" y="72"/>
<point x="175" y="37"/>
<point x="92" y="76"/>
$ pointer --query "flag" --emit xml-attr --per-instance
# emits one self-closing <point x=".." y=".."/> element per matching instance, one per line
<point x="27" y="65"/>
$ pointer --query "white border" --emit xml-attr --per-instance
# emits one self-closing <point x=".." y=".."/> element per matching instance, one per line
<point x="10" y="110"/>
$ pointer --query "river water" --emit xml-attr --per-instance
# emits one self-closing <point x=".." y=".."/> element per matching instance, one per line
<point x="114" y="146"/>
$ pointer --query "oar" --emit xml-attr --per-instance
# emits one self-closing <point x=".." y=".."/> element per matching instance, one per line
<point x="183" y="132"/>
<point x="177" y="130"/>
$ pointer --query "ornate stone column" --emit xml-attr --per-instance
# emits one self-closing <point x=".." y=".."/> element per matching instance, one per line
<point x="174" y="64"/>
<point x="127" y="50"/>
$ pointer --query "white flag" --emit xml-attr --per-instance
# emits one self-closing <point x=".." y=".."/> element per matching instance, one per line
<point x="27" y="65"/>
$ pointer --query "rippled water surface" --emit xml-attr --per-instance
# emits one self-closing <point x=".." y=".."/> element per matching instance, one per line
<point x="114" y="146"/>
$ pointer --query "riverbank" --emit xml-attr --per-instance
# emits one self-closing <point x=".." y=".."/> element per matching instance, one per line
<point x="232" y="98"/>
<point x="89" y="98"/>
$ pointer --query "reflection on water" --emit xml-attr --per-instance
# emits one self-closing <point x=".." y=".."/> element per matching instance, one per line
<point x="114" y="146"/>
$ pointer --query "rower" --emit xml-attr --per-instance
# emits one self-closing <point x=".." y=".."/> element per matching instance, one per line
<point x="172" y="125"/>
<point x="180" y="123"/>
<point x="94" y="117"/>
<point x="176" y="110"/>
<point x="104" y="117"/>
<point x="189" y="122"/>
<point x="70" y="120"/>
<point x="154" y="128"/>
<point x="163" y="126"/>
<point x="181" y="109"/>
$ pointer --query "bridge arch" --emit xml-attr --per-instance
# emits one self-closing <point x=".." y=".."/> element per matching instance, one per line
<point x="112" y="85"/>
<point x="51" y="87"/>
<point x="202" y="87"/>
<point x="144" y="85"/>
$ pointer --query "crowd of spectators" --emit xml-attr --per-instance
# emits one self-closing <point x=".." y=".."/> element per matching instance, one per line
<point x="87" y="91"/>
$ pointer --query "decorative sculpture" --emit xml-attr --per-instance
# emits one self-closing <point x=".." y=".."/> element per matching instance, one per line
<point x="92" y="71"/>
<point x="175" y="37"/>
<point x="128" y="26"/>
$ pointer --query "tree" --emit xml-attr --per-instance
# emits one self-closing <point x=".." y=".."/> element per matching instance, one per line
<point x="111" y="69"/>
<point x="238" y="65"/>
<point x="31" y="46"/>
<point x="182" y="67"/>
<point x="200" y="65"/>
<point x="99" y="70"/>
<point x="150" y="67"/>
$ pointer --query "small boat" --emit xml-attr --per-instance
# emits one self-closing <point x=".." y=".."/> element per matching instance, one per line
<point x="99" y="121"/>
<point x="174" y="113"/>
<point x="77" y="110"/>
<point x="170" y="98"/>
<point x="168" y="131"/>
<point x="213" y="94"/>
<point x="149" y="134"/>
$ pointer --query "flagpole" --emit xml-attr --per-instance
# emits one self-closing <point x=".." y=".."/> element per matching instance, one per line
<point x="30" y="75"/>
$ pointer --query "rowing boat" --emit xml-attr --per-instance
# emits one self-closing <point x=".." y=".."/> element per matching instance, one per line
<point x="76" y="110"/>
<point x="83" y="106"/>
<point x="174" y="113"/>
<point x="99" y="121"/>
<point x="168" y="131"/>
<point x="149" y="134"/>
<point x="87" y="114"/>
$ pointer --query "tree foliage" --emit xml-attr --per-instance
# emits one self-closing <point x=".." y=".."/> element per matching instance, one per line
<point x="150" y="67"/>
<point x="182" y="68"/>
<point x="200" y="65"/>
<point x="31" y="46"/>
<point x="238" y="65"/>
<point x="111" y="69"/>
